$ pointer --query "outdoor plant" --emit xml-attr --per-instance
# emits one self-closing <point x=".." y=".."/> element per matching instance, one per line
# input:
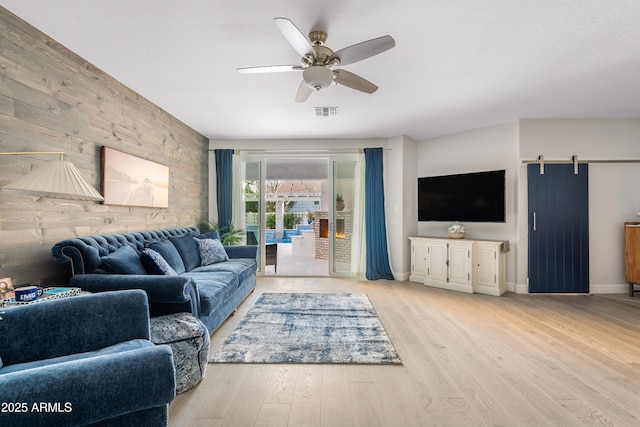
<point x="339" y="202"/>
<point x="290" y="220"/>
<point x="271" y="221"/>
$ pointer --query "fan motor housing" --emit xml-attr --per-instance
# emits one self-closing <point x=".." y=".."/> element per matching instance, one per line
<point x="317" y="37"/>
<point x="322" y="55"/>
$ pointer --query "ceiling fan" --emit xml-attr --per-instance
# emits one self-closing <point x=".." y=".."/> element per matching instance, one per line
<point x="318" y="60"/>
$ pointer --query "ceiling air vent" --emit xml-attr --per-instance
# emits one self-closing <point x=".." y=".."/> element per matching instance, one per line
<point x="326" y="111"/>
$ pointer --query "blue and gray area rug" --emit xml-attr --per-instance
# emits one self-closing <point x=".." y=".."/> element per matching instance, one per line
<point x="309" y="328"/>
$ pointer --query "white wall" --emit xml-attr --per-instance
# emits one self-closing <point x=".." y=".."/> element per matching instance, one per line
<point x="614" y="196"/>
<point x="400" y="202"/>
<point x="410" y="201"/>
<point x="490" y="148"/>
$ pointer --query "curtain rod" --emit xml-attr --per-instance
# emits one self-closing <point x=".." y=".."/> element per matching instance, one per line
<point x="303" y="151"/>
<point x="601" y="161"/>
<point x="297" y="151"/>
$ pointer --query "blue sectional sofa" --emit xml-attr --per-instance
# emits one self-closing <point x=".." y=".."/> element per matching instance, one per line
<point x="71" y="362"/>
<point x="180" y="269"/>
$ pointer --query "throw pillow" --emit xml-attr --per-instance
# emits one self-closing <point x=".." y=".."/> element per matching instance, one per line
<point x="188" y="250"/>
<point x="124" y="260"/>
<point x="211" y="251"/>
<point x="169" y="253"/>
<point x="155" y="263"/>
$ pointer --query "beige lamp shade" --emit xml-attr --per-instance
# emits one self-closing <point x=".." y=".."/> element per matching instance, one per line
<point x="57" y="179"/>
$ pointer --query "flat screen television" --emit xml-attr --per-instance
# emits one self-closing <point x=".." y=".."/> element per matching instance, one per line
<point x="469" y="197"/>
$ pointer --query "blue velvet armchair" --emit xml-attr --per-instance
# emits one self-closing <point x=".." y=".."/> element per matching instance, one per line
<point x="83" y="360"/>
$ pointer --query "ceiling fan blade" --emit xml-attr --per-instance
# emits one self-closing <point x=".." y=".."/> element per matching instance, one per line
<point x="293" y="35"/>
<point x="270" y="69"/>
<point x="304" y="92"/>
<point x="354" y="81"/>
<point x="364" y="50"/>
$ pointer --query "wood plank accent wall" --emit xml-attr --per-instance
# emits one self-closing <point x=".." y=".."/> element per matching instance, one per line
<point x="53" y="100"/>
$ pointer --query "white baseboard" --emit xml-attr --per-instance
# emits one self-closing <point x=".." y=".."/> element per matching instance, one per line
<point x="593" y="288"/>
<point x="517" y="288"/>
<point x="401" y="277"/>
<point x="612" y="288"/>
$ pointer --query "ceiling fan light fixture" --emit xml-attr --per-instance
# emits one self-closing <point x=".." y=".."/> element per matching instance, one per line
<point x="317" y="77"/>
<point x="318" y="60"/>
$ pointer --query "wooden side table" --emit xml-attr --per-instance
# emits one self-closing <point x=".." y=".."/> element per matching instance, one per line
<point x="632" y="255"/>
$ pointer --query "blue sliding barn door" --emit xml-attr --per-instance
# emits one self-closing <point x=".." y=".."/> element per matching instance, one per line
<point x="558" y="228"/>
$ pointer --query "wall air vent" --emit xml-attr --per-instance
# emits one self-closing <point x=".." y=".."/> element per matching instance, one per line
<point x="326" y="111"/>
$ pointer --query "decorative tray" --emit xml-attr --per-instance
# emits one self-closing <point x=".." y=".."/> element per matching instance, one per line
<point x="47" y="295"/>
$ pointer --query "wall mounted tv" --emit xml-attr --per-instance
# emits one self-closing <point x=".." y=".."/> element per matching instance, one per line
<point x="469" y="197"/>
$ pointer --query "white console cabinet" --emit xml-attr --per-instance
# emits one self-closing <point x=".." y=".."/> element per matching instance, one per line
<point x="418" y="260"/>
<point x="491" y="267"/>
<point x="459" y="265"/>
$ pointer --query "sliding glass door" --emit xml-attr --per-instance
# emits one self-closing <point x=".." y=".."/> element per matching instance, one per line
<point x="347" y="220"/>
<point x="252" y="203"/>
<point x="306" y="213"/>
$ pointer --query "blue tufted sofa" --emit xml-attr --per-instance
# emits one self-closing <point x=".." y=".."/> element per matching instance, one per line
<point x="115" y="262"/>
<point x="71" y="362"/>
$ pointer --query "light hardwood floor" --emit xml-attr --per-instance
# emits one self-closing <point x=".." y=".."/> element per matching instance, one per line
<point x="468" y="360"/>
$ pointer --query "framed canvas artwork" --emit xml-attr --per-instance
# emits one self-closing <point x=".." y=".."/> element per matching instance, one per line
<point x="128" y="180"/>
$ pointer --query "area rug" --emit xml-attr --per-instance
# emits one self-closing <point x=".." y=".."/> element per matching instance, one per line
<point x="309" y="328"/>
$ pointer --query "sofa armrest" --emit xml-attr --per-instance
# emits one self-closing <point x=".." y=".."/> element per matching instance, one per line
<point x="159" y="289"/>
<point x="72" y="325"/>
<point x="89" y="390"/>
<point x="78" y="253"/>
<point x="243" y="251"/>
<point x="181" y="291"/>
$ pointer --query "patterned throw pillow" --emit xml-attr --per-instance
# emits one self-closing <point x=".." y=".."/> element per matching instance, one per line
<point x="211" y="251"/>
<point x="155" y="263"/>
<point x="169" y="253"/>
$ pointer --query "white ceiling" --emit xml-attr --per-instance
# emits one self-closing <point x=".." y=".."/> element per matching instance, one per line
<point x="457" y="64"/>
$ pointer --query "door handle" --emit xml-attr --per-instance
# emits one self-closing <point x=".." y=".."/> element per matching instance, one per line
<point x="534" y="221"/>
